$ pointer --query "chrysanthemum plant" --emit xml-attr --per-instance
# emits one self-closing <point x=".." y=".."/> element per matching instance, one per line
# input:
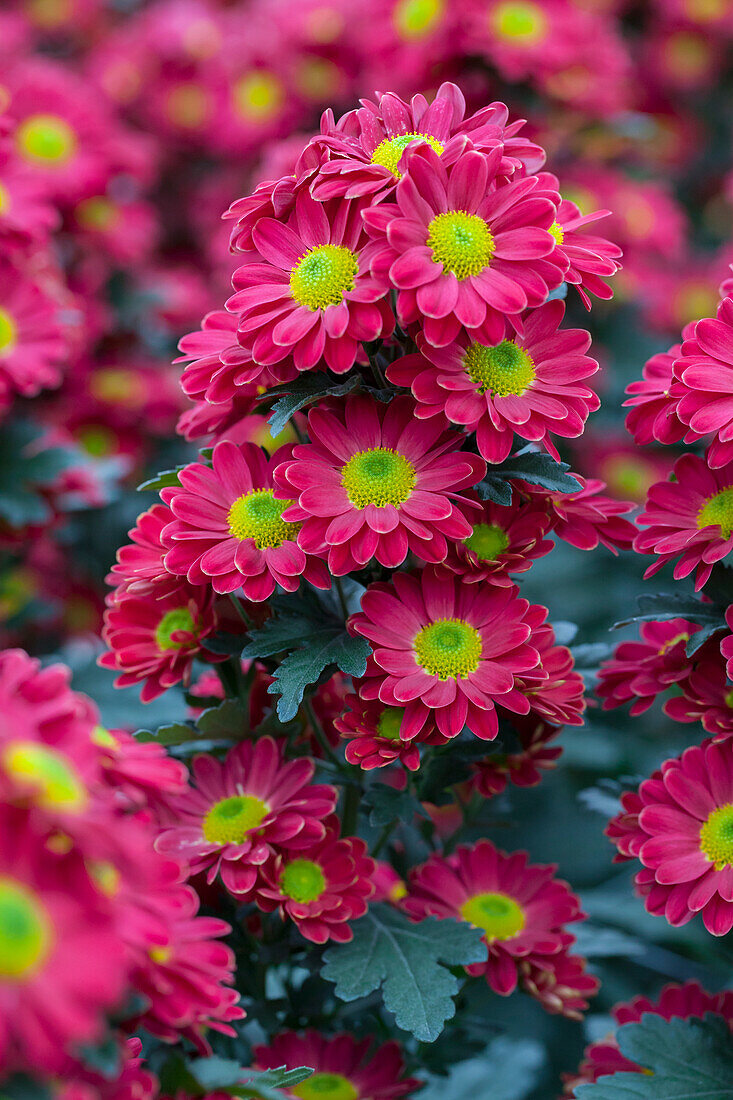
<point x="343" y="608"/>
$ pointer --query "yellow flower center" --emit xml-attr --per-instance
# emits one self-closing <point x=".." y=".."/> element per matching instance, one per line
<point x="179" y="620"/>
<point x="705" y="11"/>
<point x="324" y="275"/>
<point x="499" y="915"/>
<point x="461" y="242"/>
<point x="448" y="648"/>
<point x="230" y="819"/>
<point x="557" y="231"/>
<point x="258" y="95"/>
<point x="25" y="931"/>
<point x="325" y="1086"/>
<point x="318" y="78"/>
<point x="8" y="332"/>
<point x="520" y="22"/>
<point x="106" y="876"/>
<point x="97" y="440"/>
<point x="97" y="212"/>
<point x="389" y="722"/>
<point x="118" y="386"/>
<point x="303" y="881"/>
<point x="46" y="139"/>
<point x="717" y="511"/>
<point x="389" y="151"/>
<point x="161" y="955"/>
<point x="716" y="837"/>
<point x="103" y="738"/>
<point x="4" y="200"/>
<point x="488" y="541"/>
<point x="417" y="18"/>
<point x="17" y="589"/>
<point x="53" y="780"/>
<point x="257" y="515"/>
<point x="502" y="370"/>
<point x="378" y="476"/>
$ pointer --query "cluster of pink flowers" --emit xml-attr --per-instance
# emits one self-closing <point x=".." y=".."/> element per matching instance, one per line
<point x="90" y="915"/>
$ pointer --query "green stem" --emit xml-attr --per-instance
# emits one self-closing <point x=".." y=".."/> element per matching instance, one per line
<point x="342" y="598"/>
<point x="320" y="734"/>
<point x="237" y="605"/>
<point x="352" y="797"/>
<point x="384" y="836"/>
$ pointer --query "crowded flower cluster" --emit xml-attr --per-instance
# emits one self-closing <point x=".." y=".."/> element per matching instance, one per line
<point x="336" y="600"/>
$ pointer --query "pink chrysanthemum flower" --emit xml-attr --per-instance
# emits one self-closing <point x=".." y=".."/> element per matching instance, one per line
<point x="555" y="692"/>
<point x="560" y="983"/>
<point x="142" y="772"/>
<point x="60" y="968"/>
<point x="685" y="1002"/>
<point x="366" y="146"/>
<point x="520" y="907"/>
<point x="375" y="483"/>
<point x="705" y="372"/>
<point x="523" y="768"/>
<point x="463" y="247"/>
<point x="591" y="259"/>
<point x="228" y="529"/>
<point x="153" y="638"/>
<point x="321" y="888"/>
<point x="684" y="830"/>
<point x="132" y="1081"/>
<point x="33" y="346"/>
<point x="445" y="652"/>
<point x="525" y="385"/>
<point x="726" y="646"/>
<point x="641" y="670"/>
<point x="653" y="400"/>
<point x="240" y="808"/>
<point x="689" y="517"/>
<point x="139" y="564"/>
<point x="587" y="518"/>
<point x="623" y="829"/>
<point x="372" y="733"/>
<point x="505" y="539"/>
<point x="307" y="290"/>
<point x="344" y="1068"/>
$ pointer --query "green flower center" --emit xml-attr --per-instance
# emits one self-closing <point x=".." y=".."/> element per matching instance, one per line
<point x="461" y="242"/>
<point x="487" y="542"/>
<point x="729" y="699"/>
<point x="302" y="880"/>
<point x="55" y="783"/>
<point x="717" y="511"/>
<point x="448" y="648"/>
<point x="520" y="22"/>
<point x="499" y="915"/>
<point x="177" y="621"/>
<point x="416" y="18"/>
<point x="379" y="476"/>
<point x="389" y="722"/>
<point x="502" y="370"/>
<point x="230" y="819"/>
<point x="258" y="95"/>
<point x="326" y="1086"/>
<point x="716" y="837"/>
<point x="257" y="515"/>
<point x="47" y="139"/>
<point x="557" y="232"/>
<point x="7" y="332"/>
<point x="324" y="275"/>
<point x="25" y="931"/>
<point x="389" y="151"/>
<point x="97" y="212"/>
<point x="103" y="738"/>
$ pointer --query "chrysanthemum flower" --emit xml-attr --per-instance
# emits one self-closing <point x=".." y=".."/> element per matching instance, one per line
<point x="372" y="732"/>
<point x="445" y="651"/>
<point x="591" y="259"/>
<point x="559" y="982"/>
<point x="684" y="831"/>
<point x="528" y="385"/>
<point x="139" y="563"/>
<point x="689" y="517"/>
<point x="623" y="829"/>
<point x="240" y="808"/>
<point x="641" y="670"/>
<point x="705" y="372"/>
<point x="506" y="539"/>
<point x="321" y="888"/>
<point x="522" y="38"/>
<point x="653" y="399"/>
<point x="307" y="289"/>
<point x="344" y="1068"/>
<point x="726" y="646"/>
<point x="132" y="1081"/>
<point x="462" y="247"/>
<point x="587" y="518"/>
<point x="228" y="528"/>
<point x="366" y="146"/>
<point x="523" y="768"/>
<point x="554" y="690"/>
<point x="686" y="1002"/>
<point x="374" y="483"/>
<point x="60" y="968"/>
<point x="33" y="346"/>
<point x="520" y="907"/>
<point x="142" y="772"/>
<point x="153" y="638"/>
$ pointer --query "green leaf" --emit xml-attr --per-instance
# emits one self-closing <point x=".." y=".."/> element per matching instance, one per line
<point x="268" y="1085"/>
<point x="304" y="666"/>
<point x="162" y="480"/>
<point x="405" y="959"/>
<point x="689" y="1060"/>
<point x="104" y="1057"/>
<point x="228" y="644"/>
<point x="301" y="392"/>
<point x="213" y="1074"/>
<point x="386" y="803"/>
<point x="596" y="941"/>
<point x="512" y="1066"/>
<point x="227" y="720"/>
<point x="451" y="764"/>
<point x="660" y="606"/>
<point x="22" y="1087"/>
<point x="534" y="467"/>
<point x="175" y="734"/>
